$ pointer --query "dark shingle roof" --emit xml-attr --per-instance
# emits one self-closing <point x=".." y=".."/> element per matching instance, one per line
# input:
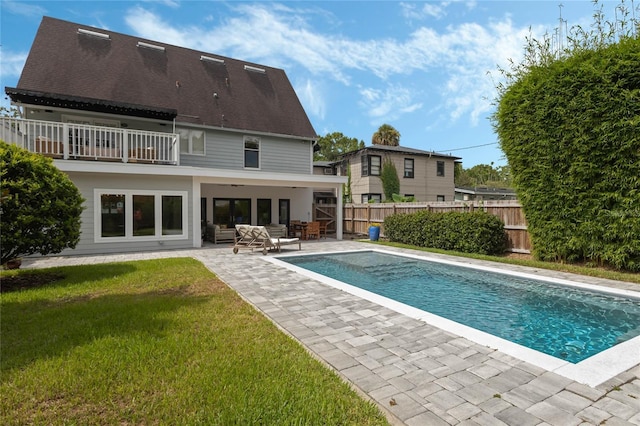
<point x="66" y="66"/>
<point x="399" y="149"/>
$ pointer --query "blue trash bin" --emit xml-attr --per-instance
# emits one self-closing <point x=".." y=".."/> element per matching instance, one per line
<point x="374" y="233"/>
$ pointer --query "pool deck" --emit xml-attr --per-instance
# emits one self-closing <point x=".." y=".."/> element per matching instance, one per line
<point x="417" y="373"/>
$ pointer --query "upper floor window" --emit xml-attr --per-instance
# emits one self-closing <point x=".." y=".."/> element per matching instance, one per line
<point x="440" y="171"/>
<point x="191" y="141"/>
<point x="344" y="166"/>
<point x="371" y="165"/>
<point x="251" y="152"/>
<point x="408" y="168"/>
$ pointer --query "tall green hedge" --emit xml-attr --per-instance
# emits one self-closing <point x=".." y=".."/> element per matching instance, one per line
<point x="570" y="130"/>
<point x="476" y="232"/>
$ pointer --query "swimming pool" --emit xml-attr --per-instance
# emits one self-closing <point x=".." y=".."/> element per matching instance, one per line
<point x="559" y="319"/>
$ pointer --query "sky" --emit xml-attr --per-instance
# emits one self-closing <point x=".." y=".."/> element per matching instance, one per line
<point x="427" y="68"/>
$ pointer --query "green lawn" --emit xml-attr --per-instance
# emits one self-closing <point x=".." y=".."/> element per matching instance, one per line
<point x="591" y="271"/>
<point x="157" y="342"/>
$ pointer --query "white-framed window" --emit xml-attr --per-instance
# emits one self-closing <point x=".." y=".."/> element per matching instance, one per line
<point x="139" y="215"/>
<point x="251" y="152"/>
<point x="192" y="141"/>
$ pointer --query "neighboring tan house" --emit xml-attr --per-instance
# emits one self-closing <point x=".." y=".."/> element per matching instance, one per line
<point x="424" y="175"/>
<point x="160" y="138"/>
<point x="481" y="193"/>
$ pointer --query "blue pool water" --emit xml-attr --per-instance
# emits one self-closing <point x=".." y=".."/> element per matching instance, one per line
<point x="565" y="322"/>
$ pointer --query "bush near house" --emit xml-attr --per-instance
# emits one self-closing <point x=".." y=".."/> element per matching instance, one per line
<point x="40" y="206"/>
<point x="476" y="232"/>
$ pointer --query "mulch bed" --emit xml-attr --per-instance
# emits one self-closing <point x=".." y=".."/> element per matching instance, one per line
<point x="26" y="281"/>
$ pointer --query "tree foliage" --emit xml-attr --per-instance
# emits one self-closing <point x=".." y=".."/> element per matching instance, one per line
<point x="389" y="178"/>
<point x="569" y="125"/>
<point x="332" y="145"/>
<point x="483" y="175"/>
<point x="386" y="135"/>
<point x="40" y="206"/>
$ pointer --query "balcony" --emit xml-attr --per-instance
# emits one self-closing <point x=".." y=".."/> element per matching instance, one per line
<point x="70" y="141"/>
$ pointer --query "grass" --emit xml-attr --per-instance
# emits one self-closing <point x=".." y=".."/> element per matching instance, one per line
<point x="562" y="267"/>
<point x="157" y="342"/>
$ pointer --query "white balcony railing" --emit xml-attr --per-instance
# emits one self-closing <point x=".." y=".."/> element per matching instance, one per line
<point x="84" y="142"/>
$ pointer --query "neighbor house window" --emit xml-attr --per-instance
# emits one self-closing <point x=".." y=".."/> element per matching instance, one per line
<point x="191" y="141"/>
<point x="344" y="166"/>
<point x="251" y="152"/>
<point x="440" y="171"/>
<point x="371" y="198"/>
<point x="132" y="215"/>
<point x="371" y="165"/>
<point x="408" y="168"/>
<point x="440" y="198"/>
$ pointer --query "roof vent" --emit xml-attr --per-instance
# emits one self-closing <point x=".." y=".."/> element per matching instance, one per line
<point x="150" y="46"/>
<point x="93" y="34"/>
<point x="210" y="59"/>
<point x="254" y="69"/>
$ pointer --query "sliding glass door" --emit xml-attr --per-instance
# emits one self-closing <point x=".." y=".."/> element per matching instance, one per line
<point x="227" y="212"/>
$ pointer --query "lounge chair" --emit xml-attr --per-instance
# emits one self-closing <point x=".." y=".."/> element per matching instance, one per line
<point x="252" y="237"/>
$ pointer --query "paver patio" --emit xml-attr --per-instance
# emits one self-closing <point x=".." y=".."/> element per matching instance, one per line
<point x="418" y="374"/>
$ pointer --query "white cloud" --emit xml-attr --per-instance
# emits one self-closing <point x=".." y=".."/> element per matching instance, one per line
<point x="281" y="36"/>
<point x="410" y="11"/>
<point x="388" y="104"/>
<point x="311" y="96"/>
<point x="12" y="63"/>
<point x="23" y="8"/>
<point x="149" y="25"/>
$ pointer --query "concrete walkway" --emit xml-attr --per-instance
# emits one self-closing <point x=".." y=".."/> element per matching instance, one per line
<point x="418" y="374"/>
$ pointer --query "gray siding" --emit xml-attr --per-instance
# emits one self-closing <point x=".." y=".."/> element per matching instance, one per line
<point x="87" y="182"/>
<point x="225" y="150"/>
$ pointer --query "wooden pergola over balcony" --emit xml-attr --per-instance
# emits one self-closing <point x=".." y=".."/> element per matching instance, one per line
<point x="86" y="142"/>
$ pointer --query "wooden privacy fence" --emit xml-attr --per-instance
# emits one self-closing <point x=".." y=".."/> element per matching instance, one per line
<point x="357" y="217"/>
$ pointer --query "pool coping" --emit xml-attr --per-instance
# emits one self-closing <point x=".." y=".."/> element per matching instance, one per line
<point x="592" y="371"/>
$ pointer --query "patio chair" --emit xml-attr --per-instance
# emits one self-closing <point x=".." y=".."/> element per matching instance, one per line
<point x="323" y="229"/>
<point x="313" y="230"/>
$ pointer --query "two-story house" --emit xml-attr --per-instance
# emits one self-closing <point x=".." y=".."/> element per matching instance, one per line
<point x="424" y="175"/>
<point x="160" y="138"/>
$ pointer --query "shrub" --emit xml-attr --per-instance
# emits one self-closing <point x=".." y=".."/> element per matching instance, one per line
<point x="476" y="232"/>
<point x="569" y="126"/>
<point x="40" y="206"/>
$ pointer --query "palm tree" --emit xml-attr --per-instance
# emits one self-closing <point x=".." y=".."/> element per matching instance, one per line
<point x="386" y="135"/>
